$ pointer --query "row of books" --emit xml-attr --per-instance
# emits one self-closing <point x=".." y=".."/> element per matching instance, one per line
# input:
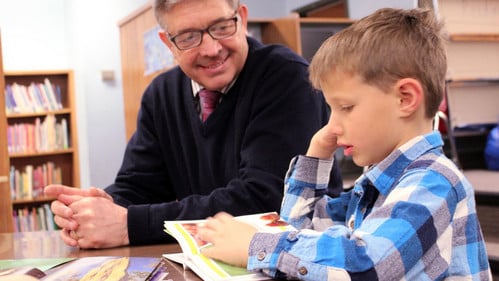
<point x="35" y="97"/>
<point x="34" y="219"/>
<point x="42" y="136"/>
<point x="29" y="182"/>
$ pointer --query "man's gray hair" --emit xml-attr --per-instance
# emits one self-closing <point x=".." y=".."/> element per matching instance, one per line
<point x="162" y="7"/>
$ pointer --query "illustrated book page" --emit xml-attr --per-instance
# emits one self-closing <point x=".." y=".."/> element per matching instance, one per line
<point x="209" y="269"/>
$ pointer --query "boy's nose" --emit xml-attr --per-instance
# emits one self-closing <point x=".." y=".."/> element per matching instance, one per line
<point x="335" y="125"/>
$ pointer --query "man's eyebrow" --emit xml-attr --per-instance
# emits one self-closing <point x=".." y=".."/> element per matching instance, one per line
<point x="222" y="18"/>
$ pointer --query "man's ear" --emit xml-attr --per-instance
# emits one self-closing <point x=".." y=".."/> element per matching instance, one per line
<point x="164" y="37"/>
<point x="411" y="96"/>
<point x="243" y="14"/>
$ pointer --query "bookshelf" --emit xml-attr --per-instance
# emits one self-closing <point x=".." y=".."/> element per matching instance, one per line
<point x="5" y="201"/>
<point x="303" y="35"/>
<point x="50" y="146"/>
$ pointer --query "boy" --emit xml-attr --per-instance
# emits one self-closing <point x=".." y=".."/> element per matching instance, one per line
<point x="412" y="215"/>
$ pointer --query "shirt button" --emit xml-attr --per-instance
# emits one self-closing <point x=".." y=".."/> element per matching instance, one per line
<point x="302" y="270"/>
<point x="292" y="237"/>
<point x="260" y="256"/>
<point x="352" y="224"/>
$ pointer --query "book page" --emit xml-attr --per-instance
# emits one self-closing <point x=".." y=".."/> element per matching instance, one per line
<point x="104" y="268"/>
<point x="185" y="232"/>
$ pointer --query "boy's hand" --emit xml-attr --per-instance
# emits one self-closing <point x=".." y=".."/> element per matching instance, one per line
<point x="323" y="144"/>
<point x="230" y="239"/>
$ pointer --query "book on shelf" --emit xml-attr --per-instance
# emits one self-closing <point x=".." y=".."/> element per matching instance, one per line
<point x="28" y="182"/>
<point x="88" y="268"/>
<point x="39" y="136"/>
<point x="213" y="270"/>
<point x="38" y="218"/>
<point x="32" y="98"/>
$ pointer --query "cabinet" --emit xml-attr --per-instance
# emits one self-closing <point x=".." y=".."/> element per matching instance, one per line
<point x="35" y="146"/>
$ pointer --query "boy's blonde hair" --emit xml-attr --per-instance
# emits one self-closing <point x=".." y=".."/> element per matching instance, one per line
<point x="386" y="46"/>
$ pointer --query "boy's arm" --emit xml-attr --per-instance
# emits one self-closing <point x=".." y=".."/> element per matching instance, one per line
<point x="305" y="199"/>
<point x="302" y="203"/>
<point x="388" y="243"/>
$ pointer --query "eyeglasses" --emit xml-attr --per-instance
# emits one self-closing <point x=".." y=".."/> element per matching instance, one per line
<point x="193" y="38"/>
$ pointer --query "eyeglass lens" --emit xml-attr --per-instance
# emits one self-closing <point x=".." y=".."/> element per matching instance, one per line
<point x="219" y="30"/>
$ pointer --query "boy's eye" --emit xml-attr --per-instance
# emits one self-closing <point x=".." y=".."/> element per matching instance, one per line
<point x="346" y="107"/>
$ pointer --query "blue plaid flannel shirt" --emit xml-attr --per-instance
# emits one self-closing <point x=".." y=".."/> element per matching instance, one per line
<point x="410" y="217"/>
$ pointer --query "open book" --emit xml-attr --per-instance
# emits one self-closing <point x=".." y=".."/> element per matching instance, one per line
<point x="209" y="269"/>
<point x="88" y="268"/>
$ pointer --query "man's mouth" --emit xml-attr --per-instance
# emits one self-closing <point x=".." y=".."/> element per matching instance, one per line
<point x="215" y="65"/>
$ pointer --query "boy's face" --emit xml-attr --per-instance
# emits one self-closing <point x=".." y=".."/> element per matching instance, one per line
<point x="364" y="118"/>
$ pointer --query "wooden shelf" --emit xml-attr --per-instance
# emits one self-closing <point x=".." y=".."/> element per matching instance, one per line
<point x="327" y="20"/>
<point x="38" y="114"/>
<point x="6" y="224"/>
<point x="65" y="159"/>
<point x="474" y="37"/>
<point x="30" y="201"/>
<point x="42" y="153"/>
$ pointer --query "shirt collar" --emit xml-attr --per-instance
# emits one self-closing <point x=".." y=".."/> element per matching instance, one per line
<point x="385" y="173"/>
<point x="196" y="87"/>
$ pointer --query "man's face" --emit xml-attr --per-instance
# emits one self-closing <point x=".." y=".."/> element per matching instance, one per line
<point x="214" y="63"/>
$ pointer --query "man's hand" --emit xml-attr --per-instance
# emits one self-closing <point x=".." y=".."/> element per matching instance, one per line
<point x="101" y="223"/>
<point x="230" y="238"/>
<point x="88" y="218"/>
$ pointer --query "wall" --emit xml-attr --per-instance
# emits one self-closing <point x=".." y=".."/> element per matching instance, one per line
<point x="94" y="47"/>
<point x="30" y="39"/>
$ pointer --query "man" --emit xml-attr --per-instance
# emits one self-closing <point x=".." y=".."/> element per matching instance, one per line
<point x="178" y="166"/>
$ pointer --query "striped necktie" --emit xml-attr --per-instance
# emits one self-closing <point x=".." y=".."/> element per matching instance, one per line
<point x="208" y="101"/>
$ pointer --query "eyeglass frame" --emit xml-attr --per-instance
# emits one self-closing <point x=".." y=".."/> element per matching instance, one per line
<point x="203" y="31"/>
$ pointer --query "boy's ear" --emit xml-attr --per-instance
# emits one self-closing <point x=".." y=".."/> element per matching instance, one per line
<point x="411" y="96"/>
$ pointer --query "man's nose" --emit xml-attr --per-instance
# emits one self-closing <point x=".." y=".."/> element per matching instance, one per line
<point x="209" y="46"/>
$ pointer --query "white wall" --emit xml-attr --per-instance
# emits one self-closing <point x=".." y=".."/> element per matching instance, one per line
<point x="30" y="38"/>
<point x="95" y="46"/>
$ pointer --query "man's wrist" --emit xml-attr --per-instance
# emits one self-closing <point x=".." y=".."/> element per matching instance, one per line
<point x="125" y="238"/>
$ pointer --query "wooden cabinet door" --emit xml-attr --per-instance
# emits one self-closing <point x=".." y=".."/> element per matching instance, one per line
<point x="5" y="199"/>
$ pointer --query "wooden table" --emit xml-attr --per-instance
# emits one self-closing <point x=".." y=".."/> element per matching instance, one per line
<point x="48" y="244"/>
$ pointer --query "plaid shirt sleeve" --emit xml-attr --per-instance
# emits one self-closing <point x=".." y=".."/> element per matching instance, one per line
<point x="421" y="225"/>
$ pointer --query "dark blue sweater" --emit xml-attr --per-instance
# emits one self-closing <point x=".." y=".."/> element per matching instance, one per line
<point x="176" y="167"/>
